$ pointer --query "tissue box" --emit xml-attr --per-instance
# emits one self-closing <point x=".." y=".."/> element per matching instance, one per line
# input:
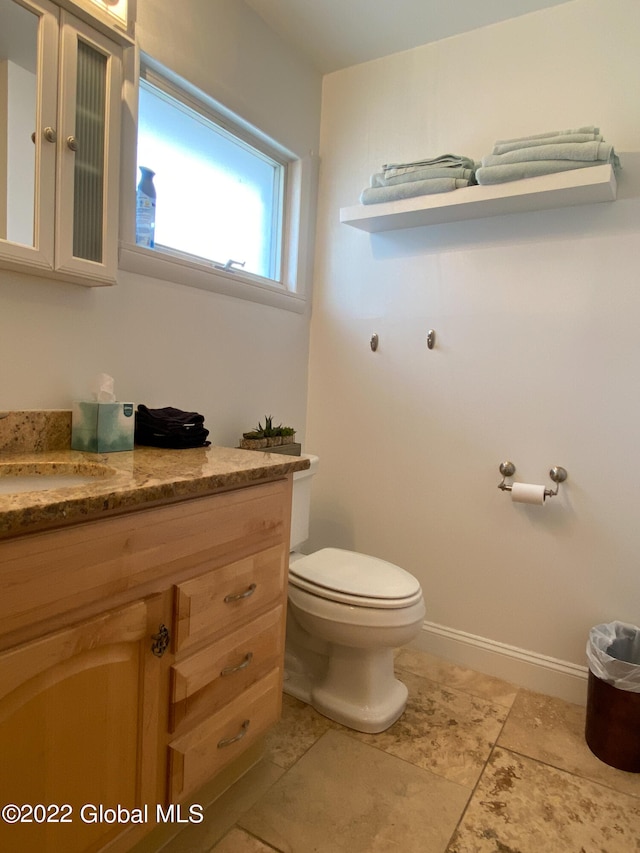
<point x="102" y="427"/>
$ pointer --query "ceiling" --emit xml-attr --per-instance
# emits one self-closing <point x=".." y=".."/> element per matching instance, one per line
<point x="335" y="34"/>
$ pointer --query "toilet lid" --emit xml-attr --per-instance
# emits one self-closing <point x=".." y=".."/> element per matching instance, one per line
<point x="356" y="579"/>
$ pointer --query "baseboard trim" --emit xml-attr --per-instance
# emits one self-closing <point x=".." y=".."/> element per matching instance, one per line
<point x="519" y="666"/>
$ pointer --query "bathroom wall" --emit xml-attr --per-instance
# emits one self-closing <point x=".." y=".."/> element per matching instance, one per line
<point x="168" y="344"/>
<point x="537" y="356"/>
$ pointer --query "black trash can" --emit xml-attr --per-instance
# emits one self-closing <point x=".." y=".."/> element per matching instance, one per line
<point x="612" y="728"/>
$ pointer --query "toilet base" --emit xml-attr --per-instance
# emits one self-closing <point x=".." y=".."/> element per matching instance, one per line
<point x="358" y="690"/>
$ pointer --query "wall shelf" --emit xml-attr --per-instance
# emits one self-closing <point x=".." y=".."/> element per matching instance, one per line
<point x="564" y="189"/>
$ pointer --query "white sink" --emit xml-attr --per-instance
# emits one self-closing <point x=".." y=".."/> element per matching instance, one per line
<point x="45" y="476"/>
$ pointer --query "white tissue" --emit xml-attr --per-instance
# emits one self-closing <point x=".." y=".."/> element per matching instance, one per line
<point x="103" y="389"/>
<point x="527" y="493"/>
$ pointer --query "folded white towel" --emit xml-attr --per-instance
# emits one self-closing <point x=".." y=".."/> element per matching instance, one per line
<point x="411" y="189"/>
<point x="588" y="151"/>
<point x="394" y="169"/>
<point x="588" y="129"/>
<point x="531" y="169"/>
<point x="380" y="179"/>
<point x="504" y="147"/>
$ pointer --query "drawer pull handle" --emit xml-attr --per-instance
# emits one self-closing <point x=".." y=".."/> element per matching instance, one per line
<point x="227" y="741"/>
<point x="229" y="670"/>
<point x="238" y="595"/>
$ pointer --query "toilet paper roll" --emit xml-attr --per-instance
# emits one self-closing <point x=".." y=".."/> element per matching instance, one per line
<point x="527" y="493"/>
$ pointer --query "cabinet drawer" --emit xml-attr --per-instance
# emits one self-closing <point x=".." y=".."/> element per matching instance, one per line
<point x="198" y="755"/>
<point x="45" y="575"/>
<point x="213" y="676"/>
<point x="228" y="596"/>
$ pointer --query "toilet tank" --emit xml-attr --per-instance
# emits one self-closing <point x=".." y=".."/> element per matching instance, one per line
<point x="301" y="504"/>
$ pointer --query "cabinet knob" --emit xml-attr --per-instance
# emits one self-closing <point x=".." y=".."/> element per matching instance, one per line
<point x="49" y="134"/>
<point x="160" y="641"/>
<point x="72" y="143"/>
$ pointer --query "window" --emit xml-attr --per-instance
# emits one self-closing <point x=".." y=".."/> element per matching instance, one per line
<point x="220" y="190"/>
<point x="226" y="195"/>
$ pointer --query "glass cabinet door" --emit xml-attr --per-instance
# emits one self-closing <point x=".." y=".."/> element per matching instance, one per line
<point x="28" y="44"/>
<point x="88" y="170"/>
<point x="89" y="150"/>
<point x="60" y="103"/>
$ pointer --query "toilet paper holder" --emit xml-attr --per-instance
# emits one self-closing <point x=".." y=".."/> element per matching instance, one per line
<point x="557" y="474"/>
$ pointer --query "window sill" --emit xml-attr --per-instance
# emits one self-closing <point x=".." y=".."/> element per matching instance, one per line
<point x="148" y="262"/>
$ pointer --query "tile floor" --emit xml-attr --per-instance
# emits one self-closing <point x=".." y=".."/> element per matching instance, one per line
<point x="475" y="765"/>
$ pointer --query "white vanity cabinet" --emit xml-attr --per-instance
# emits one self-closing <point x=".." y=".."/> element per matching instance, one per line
<point x="60" y="108"/>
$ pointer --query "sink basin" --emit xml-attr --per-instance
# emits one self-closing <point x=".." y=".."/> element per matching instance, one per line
<point x="16" y="477"/>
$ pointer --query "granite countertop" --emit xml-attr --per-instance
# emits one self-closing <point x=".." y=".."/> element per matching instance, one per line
<point x="128" y="480"/>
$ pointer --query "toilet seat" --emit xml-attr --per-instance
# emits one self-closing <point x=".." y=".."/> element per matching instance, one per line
<point x="355" y="579"/>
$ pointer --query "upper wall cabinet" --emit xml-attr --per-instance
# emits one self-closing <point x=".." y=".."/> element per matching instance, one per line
<point x="115" y="18"/>
<point x="60" y="106"/>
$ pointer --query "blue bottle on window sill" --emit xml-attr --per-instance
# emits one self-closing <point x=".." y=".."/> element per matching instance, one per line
<point x="146" y="209"/>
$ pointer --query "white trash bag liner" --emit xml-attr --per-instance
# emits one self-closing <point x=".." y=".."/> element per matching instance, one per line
<point x="613" y="652"/>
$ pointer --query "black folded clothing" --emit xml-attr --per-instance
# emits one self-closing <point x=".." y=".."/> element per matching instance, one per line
<point x="170" y="427"/>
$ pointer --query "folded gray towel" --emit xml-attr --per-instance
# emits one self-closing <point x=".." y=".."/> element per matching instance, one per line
<point x="504" y="147"/>
<point x="394" y="169"/>
<point x="588" y="151"/>
<point x="381" y="180"/>
<point x="531" y="169"/>
<point x="411" y="189"/>
<point x="588" y="129"/>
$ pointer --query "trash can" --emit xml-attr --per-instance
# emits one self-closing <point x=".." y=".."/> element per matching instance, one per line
<point x="612" y="728"/>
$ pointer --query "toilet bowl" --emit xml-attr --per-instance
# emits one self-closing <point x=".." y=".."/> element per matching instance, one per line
<point x="347" y="613"/>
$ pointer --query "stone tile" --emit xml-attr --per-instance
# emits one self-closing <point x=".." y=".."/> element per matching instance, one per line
<point x="524" y="806"/>
<point x="298" y="729"/>
<point x="487" y="687"/>
<point x="238" y="841"/>
<point x="222" y="814"/>
<point x="448" y="732"/>
<point x="345" y="797"/>
<point x="552" y="730"/>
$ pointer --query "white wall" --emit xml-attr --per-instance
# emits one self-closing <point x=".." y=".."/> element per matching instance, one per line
<point x="166" y="344"/>
<point x="538" y="351"/>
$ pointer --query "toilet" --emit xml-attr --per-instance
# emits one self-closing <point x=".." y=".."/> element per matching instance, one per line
<point x="346" y="614"/>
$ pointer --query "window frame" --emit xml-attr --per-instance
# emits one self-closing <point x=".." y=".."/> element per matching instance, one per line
<point x="298" y="210"/>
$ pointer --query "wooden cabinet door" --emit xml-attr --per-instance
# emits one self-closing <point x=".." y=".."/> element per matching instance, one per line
<point x="74" y="723"/>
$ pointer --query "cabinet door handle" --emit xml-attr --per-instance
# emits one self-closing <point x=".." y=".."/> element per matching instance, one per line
<point x="49" y="134"/>
<point x="229" y="670"/>
<point x="238" y="595"/>
<point x="227" y="741"/>
<point x="72" y="143"/>
<point x="160" y="641"/>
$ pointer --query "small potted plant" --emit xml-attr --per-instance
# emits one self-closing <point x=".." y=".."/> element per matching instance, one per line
<point x="269" y="437"/>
